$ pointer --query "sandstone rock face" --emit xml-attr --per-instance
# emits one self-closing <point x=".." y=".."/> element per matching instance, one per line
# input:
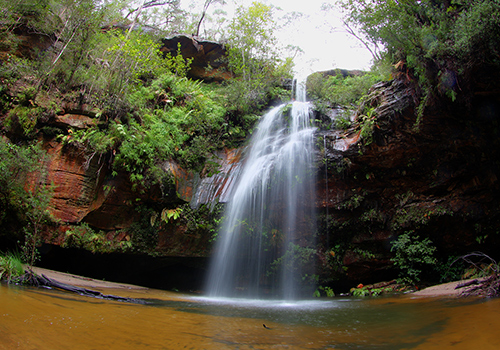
<point x="209" y="63"/>
<point x="77" y="121"/>
<point x="30" y="42"/>
<point x="75" y="181"/>
<point x="437" y="179"/>
<point x="85" y="192"/>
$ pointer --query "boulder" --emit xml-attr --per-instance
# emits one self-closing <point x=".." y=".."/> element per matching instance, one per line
<point x="209" y="61"/>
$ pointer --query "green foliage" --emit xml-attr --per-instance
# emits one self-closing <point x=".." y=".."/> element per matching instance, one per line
<point x="412" y="255"/>
<point x="118" y="63"/>
<point x="343" y="121"/>
<point x="20" y="200"/>
<point x="345" y="91"/>
<point x="341" y="89"/>
<point x="364" y="291"/>
<point x="174" y="214"/>
<point x="11" y="266"/>
<point x="294" y="260"/>
<point x="439" y="41"/>
<point x="146" y="111"/>
<point x="416" y="216"/>
<point x="174" y="118"/>
<point x="204" y="220"/>
<point x="254" y="59"/>
<point x="360" y="292"/>
<point x="327" y="291"/>
<point x="451" y="269"/>
<point x="367" y="122"/>
<point x="251" y="34"/>
<point x="177" y="64"/>
<point x="144" y="232"/>
<point x="372" y="215"/>
<point x="353" y="202"/>
<point x="84" y="237"/>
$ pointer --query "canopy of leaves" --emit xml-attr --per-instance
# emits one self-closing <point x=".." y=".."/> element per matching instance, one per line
<point x="255" y="58"/>
<point x="440" y="41"/>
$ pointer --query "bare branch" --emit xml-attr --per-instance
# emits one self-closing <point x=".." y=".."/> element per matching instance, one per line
<point x="204" y="12"/>
<point x="374" y="52"/>
<point x="150" y="4"/>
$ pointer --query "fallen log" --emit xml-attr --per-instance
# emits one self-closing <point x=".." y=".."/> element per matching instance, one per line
<point x="488" y="287"/>
<point x="467" y="284"/>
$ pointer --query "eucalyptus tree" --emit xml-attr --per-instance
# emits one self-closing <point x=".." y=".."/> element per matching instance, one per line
<point x="206" y="5"/>
<point x="251" y="41"/>
<point x="254" y="56"/>
<point x="164" y="16"/>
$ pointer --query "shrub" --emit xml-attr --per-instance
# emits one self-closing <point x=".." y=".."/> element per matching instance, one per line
<point x="11" y="266"/>
<point x="85" y="237"/>
<point x="412" y="255"/>
<point x="339" y="89"/>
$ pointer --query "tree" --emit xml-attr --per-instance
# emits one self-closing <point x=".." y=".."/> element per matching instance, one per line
<point x="204" y="12"/>
<point x="19" y="202"/>
<point x="441" y="42"/>
<point x="160" y="14"/>
<point x="254" y="58"/>
<point x="251" y="41"/>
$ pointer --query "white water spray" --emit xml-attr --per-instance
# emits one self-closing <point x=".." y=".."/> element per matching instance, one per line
<point x="264" y="244"/>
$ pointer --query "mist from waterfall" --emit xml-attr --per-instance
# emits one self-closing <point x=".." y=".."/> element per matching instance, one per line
<point x="265" y="246"/>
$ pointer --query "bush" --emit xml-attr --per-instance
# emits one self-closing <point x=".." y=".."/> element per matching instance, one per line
<point x="85" y="237"/>
<point x="11" y="266"/>
<point x="412" y="255"/>
<point x="340" y="89"/>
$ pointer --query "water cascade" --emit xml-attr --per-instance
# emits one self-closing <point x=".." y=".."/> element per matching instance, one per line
<point x="265" y="244"/>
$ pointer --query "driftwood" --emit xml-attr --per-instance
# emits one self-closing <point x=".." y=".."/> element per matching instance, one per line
<point x="33" y="279"/>
<point x="486" y="287"/>
<point x="466" y="284"/>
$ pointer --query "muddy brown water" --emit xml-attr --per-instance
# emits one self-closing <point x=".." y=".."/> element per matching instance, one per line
<point x="33" y="318"/>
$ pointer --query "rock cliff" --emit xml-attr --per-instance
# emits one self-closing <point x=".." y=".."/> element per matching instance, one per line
<point x="436" y="177"/>
<point x="209" y="61"/>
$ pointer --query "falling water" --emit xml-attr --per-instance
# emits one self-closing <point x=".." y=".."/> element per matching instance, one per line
<point x="264" y="244"/>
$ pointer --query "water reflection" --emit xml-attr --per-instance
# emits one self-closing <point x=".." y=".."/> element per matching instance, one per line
<point x="48" y="319"/>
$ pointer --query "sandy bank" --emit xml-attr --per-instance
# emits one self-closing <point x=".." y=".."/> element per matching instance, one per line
<point x="443" y="290"/>
<point x="440" y="290"/>
<point x="84" y="282"/>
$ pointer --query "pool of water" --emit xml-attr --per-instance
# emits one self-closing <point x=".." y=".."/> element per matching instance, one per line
<point x="47" y="319"/>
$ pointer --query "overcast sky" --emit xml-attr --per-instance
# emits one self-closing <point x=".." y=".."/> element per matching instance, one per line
<point x="318" y="33"/>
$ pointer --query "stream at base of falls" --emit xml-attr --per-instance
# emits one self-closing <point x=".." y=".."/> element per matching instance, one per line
<point x="32" y="318"/>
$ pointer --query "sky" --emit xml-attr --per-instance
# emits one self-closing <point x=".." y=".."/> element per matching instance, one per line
<point x="319" y="34"/>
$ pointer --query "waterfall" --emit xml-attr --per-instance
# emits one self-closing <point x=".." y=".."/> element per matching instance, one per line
<point x="265" y="244"/>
